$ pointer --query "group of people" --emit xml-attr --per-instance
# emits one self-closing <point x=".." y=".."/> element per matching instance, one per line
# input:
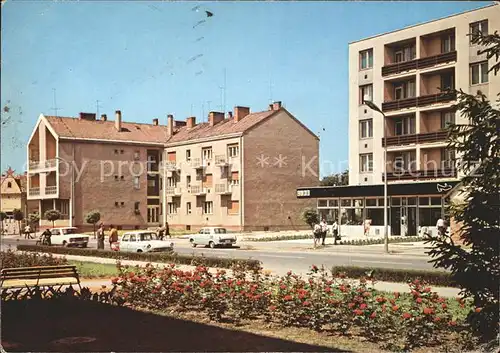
<point x="321" y="229"/>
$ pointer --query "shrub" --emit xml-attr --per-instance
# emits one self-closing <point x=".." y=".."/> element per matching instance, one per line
<point x="52" y="216"/>
<point x="310" y="217"/>
<point x="243" y="264"/>
<point x="11" y="259"/>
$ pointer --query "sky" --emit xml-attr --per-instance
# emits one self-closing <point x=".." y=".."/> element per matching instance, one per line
<point x="150" y="59"/>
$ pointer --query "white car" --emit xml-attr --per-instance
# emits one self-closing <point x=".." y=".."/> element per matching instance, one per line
<point x="68" y="236"/>
<point x="141" y="241"/>
<point x="212" y="236"/>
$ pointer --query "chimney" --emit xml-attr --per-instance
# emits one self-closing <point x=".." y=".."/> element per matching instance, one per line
<point x="104" y="117"/>
<point x="229" y="115"/>
<point x="191" y="122"/>
<point x="87" y="116"/>
<point x="179" y="123"/>
<point x="215" y="118"/>
<point x="155" y="121"/>
<point x="170" y="125"/>
<point x="118" y="120"/>
<point x="277" y="105"/>
<point x="270" y="107"/>
<point x="240" y="113"/>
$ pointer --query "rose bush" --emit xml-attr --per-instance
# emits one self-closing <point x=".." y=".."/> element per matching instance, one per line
<point x="319" y="301"/>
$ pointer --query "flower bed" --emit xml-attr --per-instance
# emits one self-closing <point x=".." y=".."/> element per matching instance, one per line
<point x="11" y="259"/>
<point x="244" y="264"/>
<point x="320" y="301"/>
<point x="435" y="278"/>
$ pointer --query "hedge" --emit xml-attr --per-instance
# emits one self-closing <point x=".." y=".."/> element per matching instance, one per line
<point x="362" y="241"/>
<point x="431" y="277"/>
<point x="244" y="264"/>
<point x="11" y="259"/>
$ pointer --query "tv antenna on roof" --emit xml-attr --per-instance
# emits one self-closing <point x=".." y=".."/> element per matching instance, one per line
<point x="97" y="107"/>
<point x="55" y="109"/>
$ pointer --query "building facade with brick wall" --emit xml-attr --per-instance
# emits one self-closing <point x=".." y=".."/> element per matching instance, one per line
<point x="238" y="171"/>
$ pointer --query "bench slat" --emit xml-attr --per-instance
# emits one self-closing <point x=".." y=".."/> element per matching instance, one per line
<point x="42" y="276"/>
<point x="24" y="269"/>
<point x="41" y="283"/>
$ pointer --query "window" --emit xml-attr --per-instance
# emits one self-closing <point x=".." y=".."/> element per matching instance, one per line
<point x="188" y="207"/>
<point x="447" y="118"/>
<point x="9" y="184"/>
<point x="121" y="151"/>
<point x="366" y="59"/>
<point x="404" y="126"/>
<point x="233" y="151"/>
<point x="188" y="155"/>
<point x="170" y="182"/>
<point x="151" y="183"/>
<point x="64" y="207"/>
<point x="365" y="93"/>
<point x="403" y="90"/>
<point x="133" y="237"/>
<point x="136" y="207"/>
<point x="479" y="73"/>
<point x="172" y="208"/>
<point x="126" y="237"/>
<point x="136" y="182"/>
<point x="206" y="153"/>
<point x="235" y="178"/>
<point x="366" y="162"/>
<point x="137" y="154"/>
<point x="208" y="207"/>
<point x="116" y="151"/>
<point x="405" y="54"/>
<point x="233" y="207"/>
<point x="447" y="158"/>
<point x="405" y="161"/>
<point x="366" y="128"/>
<point x="448" y="43"/>
<point x="448" y="81"/>
<point x="478" y="27"/>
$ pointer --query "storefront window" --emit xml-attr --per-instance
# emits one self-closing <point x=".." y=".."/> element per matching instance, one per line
<point x="423" y="201"/>
<point x="333" y="203"/>
<point x="436" y="201"/>
<point x="428" y="216"/>
<point x="345" y="203"/>
<point x="322" y="203"/>
<point x="395" y="201"/>
<point x="376" y="215"/>
<point x="371" y="202"/>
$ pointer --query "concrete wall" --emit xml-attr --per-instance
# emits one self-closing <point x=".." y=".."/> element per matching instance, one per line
<point x="269" y="195"/>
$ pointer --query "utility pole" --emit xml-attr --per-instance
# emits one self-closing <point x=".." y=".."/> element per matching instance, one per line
<point x="55" y="109"/>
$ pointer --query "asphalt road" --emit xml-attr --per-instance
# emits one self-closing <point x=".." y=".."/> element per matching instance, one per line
<point x="280" y="260"/>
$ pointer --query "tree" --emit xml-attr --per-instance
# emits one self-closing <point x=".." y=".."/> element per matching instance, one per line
<point x="52" y="215"/>
<point x="18" y="216"/>
<point x="477" y="270"/>
<point x="33" y="219"/>
<point x="310" y="216"/>
<point x="337" y="179"/>
<point x="93" y="217"/>
<point x="3" y="216"/>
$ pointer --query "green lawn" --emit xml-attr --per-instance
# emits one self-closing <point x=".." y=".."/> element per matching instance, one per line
<point x="94" y="270"/>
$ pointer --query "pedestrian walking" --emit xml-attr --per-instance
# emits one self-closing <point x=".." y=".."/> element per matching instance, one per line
<point x="100" y="237"/>
<point x="167" y="230"/>
<point x="160" y="231"/>
<point x="27" y="232"/>
<point x="324" y="230"/>
<point x="113" y="235"/>
<point x="440" y="227"/>
<point x="317" y="234"/>
<point x="335" y="231"/>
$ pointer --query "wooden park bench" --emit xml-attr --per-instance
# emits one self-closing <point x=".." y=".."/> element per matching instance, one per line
<point x="38" y="277"/>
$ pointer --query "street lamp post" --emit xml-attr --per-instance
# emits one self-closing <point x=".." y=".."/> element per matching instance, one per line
<point x="374" y="107"/>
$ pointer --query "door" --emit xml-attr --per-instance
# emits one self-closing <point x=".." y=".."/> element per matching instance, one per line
<point x="412" y="221"/>
<point x="396" y="220"/>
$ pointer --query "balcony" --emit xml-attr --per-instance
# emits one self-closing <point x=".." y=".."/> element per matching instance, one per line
<point x="421" y="101"/>
<point x="171" y="166"/>
<point x="34" y="191"/>
<point x="223" y="189"/>
<point x="50" y="190"/>
<point x="221" y="161"/>
<point x="173" y="191"/>
<point x="415" y="138"/>
<point x="419" y="63"/>
<point x="198" y="163"/>
<point x="198" y="190"/>
<point x="421" y="174"/>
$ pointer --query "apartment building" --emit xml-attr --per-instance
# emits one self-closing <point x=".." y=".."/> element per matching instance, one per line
<point x="402" y="73"/>
<point x="238" y="171"/>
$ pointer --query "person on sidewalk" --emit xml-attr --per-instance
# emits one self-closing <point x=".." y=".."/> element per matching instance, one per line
<point x="27" y="232"/>
<point x="167" y="230"/>
<point x="100" y="237"/>
<point x="335" y="231"/>
<point x="317" y="234"/>
<point x="113" y="235"/>
<point x="324" y="230"/>
<point x="160" y="232"/>
<point x="440" y="227"/>
<point x="45" y="237"/>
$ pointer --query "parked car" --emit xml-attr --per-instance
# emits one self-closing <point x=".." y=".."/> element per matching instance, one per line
<point x="212" y="236"/>
<point x="142" y="241"/>
<point x="68" y="236"/>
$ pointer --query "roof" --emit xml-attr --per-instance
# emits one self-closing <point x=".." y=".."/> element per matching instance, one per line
<point x="76" y="128"/>
<point x="69" y="127"/>
<point x="225" y="127"/>
<point x="423" y="23"/>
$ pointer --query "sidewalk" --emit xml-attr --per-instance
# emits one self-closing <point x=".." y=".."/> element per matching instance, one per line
<point x="381" y="286"/>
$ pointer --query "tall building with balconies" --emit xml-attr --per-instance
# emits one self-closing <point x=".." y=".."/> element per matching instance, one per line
<point x="405" y="73"/>
<point x="237" y="171"/>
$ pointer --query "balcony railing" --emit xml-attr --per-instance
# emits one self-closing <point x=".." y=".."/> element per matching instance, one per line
<point x="223" y="188"/>
<point x="198" y="163"/>
<point x="50" y="190"/>
<point x="49" y="163"/>
<point x="421" y="174"/>
<point x="173" y="191"/>
<point x="415" y="138"/>
<point x="171" y="166"/>
<point x="419" y="101"/>
<point x="419" y="63"/>
<point x="34" y="191"/>
<point x="198" y="190"/>
<point x="221" y="160"/>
